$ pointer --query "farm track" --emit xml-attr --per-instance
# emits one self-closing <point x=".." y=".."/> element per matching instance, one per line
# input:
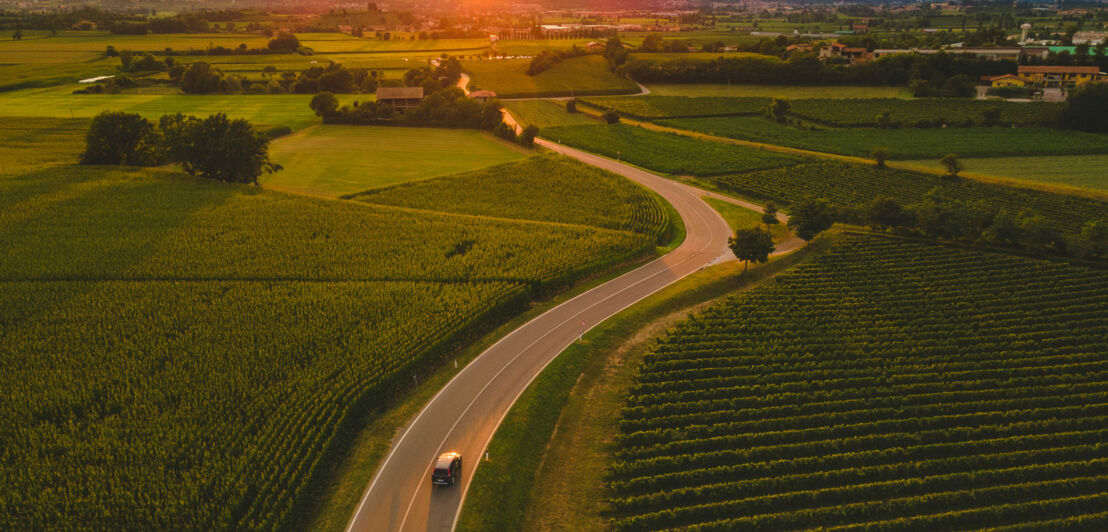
<point x="465" y="414"/>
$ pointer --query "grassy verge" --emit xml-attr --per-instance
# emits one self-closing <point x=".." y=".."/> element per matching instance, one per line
<point x="742" y="218"/>
<point x="569" y="411"/>
<point x="354" y="471"/>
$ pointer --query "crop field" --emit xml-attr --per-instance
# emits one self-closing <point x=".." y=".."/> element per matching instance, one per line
<point x="589" y="196"/>
<point x="1081" y="171"/>
<point x="774" y="91"/>
<point x="580" y="76"/>
<point x="864" y="111"/>
<point x="332" y="160"/>
<point x="852" y="185"/>
<point x="666" y="152"/>
<point x="544" y="114"/>
<point x="650" y="107"/>
<point x="43" y="74"/>
<point x="275" y="109"/>
<point x="179" y="353"/>
<point x="97" y="41"/>
<point x="904" y="143"/>
<point x="886" y="385"/>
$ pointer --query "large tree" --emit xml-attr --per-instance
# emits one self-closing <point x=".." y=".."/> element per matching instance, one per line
<point x="754" y="244"/>
<point x="201" y="78"/>
<point x="811" y="217"/>
<point x="122" y="138"/>
<point x="219" y="148"/>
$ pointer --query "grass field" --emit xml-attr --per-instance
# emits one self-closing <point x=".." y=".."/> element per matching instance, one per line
<point x="179" y="353"/>
<point x="775" y="91"/>
<point x="743" y="218"/>
<point x="580" y="76"/>
<point x="651" y="107"/>
<point x="666" y="152"/>
<point x="285" y="109"/>
<point x="334" y="160"/>
<point x="904" y="143"/>
<point x="1081" y="171"/>
<point x="590" y="196"/>
<point x="544" y="114"/>
<point x="855" y="185"/>
<point x="885" y="385"/>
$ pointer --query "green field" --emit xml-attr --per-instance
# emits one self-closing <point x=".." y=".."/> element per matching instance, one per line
<point x="330" y="160"/>
<point x="886" y="385"/>
<point x="856" y="185"/>
<point x="589" y="196"/>
<point x="544" y="114"/>
<point x="743" y="218"/>
<point x="284" y="109"/>
<point x="774" y="91"/>
<point x="579" y="76"/>
<point x="97" y="41"/>
<point x="904" y="143"/>
<point x="650" y="107"/>
<point x="1081" y="171"/>
<point x="178" y="353"/>
<point x="666" y="152"/>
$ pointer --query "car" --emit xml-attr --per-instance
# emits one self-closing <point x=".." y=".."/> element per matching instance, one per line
<point x="447" y="469"/>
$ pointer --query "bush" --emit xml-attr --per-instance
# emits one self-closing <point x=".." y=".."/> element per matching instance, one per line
<point x="278" y="131"/>
<point x="284" y="42"/>
<point x="610" y="117"/>
<point x="527" y="136"/>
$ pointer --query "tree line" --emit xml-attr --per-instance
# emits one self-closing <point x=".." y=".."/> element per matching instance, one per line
<point x="215" y="147"/>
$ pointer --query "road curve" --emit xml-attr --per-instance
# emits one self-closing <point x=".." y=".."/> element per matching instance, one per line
<point x="464" y="415"/>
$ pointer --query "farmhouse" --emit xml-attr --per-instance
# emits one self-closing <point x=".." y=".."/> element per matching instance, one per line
<point x="482" y="96"/>
<point x="1006" y="80"/>
<point x="1061" y="76"/>
<point x="401" y="98"/>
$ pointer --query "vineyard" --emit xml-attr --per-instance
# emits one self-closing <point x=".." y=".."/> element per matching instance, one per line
<point x="589" y="196"/>
<point x="177" y="353"/>
<point x="650" y="107"/>
<point x="904" y="143"/>
<point x="930" y="112"/>
<point x="840" y="112"/>
<point x="885" y="385"/>
<point x="852" y="185"/>
<point x="666" y="152"/>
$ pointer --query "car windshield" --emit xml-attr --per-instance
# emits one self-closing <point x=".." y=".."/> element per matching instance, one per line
<point x="442" y="472"/>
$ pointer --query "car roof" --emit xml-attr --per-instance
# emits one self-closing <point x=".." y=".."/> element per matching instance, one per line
<point x="445" y="459"/>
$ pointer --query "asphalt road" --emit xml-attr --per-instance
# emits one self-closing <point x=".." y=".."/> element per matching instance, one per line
<point x="464" y="415"/>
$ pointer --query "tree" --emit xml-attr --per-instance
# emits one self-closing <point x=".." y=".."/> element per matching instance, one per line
<point x="571" y="105"/>
<point x="1039" y="235"/>
<point x="18" y="35"/>
<point x="201" y="78"/>
<point x="269" y="70"/>
<point x="883" y="119"/>
<point x="880" y="155"/>
<point x="284" y="42"/>
<point x="952" y="164"/>
<point x="811" y="217"/>
<point x="1004" y="231"/>
<point x="610" y="117"/>
<point x="1093" y="240"/>
<point x="339" y="81"/>
<point x="222" y="149"/>
<point x="527" y="136"/>
<point x="769" y="215"/>
<point x="325" y="105"/>
<point x="123" y="139"/>
<point x="754" y="244"/>
<point x="1086" y="109"/>
<point x="883" y="213"/>
<point x="778" y="109"/>
<point x="110" y="51"/>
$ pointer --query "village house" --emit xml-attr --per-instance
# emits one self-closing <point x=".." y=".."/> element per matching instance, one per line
<point x="1006" y="80"/>
<point x="1063" y="77"/>
<point x="482" y="95"/>
<point x="401" y="98"/>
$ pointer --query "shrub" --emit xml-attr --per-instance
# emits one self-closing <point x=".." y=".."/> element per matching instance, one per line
<point x="610" y="117"/>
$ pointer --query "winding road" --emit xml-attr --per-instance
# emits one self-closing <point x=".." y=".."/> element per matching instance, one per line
<point x="464" y="415"/>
